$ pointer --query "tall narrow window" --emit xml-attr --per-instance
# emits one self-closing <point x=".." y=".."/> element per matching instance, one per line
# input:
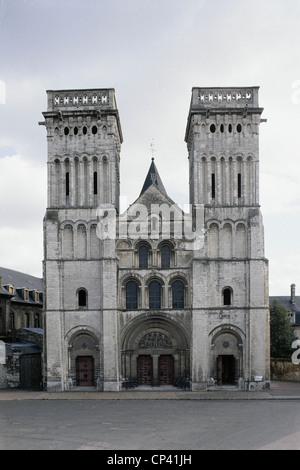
<point x="82" y="298"/>
<point x="239" y="185"/>
<point x="12" y="321"/>
<point x="131" y="295"/>
<point x="178" y="294"/>
<point x="95" y="182"/>
<point x="36" y="321"/>
<point x="213" y="185"/>
<point x="227" y="296"/>
<point x="67" y="183"/>
<point x="143" y="257"/>
<point x="154" y="295"/>
<point x="165" y="256"/>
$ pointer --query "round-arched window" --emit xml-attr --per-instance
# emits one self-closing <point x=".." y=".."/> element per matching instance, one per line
<point x="131" y="295"/>
<point x="82" y="298"/>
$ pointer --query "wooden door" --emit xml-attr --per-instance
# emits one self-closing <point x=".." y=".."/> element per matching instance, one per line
<point x="144" y="370"/>
<point x="166" y="370"/>
<point x="31" y="371"/>
<point x="85" y="371"/>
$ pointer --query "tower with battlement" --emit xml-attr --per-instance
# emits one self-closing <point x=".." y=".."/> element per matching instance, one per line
<point x="230" y="274"/>
<point x="84" y="141"/>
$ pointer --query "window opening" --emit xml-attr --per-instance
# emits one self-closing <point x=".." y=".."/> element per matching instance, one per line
<point x="94" y="129"/>
<point x="212" y="128"/>
<point x="95" y="182"/>
<point x="230" y="128"/>
<point x="239" y="185"/>
<point x="36" y="321"/>
<point x="154" y="295"/>
<point x="239" y="128"/>
<point x="131" y="295"/>
<point x="75" y="130"/>
<point x="66" y="130"/>
<point x="165" y="256"/>
<point x="178" y="294"/>
<point x="67" y="184"/>
<point x="84" y="130"/>
<point x="213" y="185"/>
<point x="227" y="296"/>
<point x="82" y="298"/>
<point x="143" y="257"/>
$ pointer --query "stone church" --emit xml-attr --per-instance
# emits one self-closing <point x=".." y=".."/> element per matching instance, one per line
<point x="155" y="296"/>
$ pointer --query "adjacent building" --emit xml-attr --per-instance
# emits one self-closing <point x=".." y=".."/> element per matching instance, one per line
<point x="292" y="305"/>
<point x="21" y="329"/>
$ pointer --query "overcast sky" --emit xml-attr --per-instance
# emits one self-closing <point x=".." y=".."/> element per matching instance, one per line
<point x="152" y="52"/>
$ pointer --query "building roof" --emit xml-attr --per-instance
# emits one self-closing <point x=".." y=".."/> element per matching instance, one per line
<point x="22" y="348"/>
<point x="20" y="281"/>
<point x="153" y="178"/>
<point x="287" y="303"/>
<point x="290" y="302"/>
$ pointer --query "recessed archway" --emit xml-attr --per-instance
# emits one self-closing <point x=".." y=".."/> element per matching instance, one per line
<point x="154" y="351"/>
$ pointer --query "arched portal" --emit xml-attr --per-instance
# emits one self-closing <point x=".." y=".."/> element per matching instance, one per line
<point x="226" y="359"/>
<point x="83" y="358"/>
<point x="155" y="352"/>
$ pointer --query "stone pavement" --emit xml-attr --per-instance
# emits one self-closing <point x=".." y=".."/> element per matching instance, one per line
<point x="278" y="391"/>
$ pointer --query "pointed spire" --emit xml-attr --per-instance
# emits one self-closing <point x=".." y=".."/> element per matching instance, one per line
<point x="153" y="178"/>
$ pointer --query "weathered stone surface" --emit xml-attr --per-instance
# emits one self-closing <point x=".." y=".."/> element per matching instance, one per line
<point x="215" y="320"/>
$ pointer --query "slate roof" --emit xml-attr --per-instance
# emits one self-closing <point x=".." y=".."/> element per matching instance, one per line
<point x="20" y="281"/>
<point x="23" y="348"/>
<point x="289" y="303"/>
<point x="153" y="178"/>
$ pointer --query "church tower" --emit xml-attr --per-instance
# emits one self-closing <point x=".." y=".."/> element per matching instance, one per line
<point x="230" y="273"/>
<point x="84" y="139"/>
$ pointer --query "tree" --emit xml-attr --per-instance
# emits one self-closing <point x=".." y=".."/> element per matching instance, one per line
<point x="281" y="332"/>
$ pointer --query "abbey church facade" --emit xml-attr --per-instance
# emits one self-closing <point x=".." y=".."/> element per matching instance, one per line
<point x="154" y="296"/>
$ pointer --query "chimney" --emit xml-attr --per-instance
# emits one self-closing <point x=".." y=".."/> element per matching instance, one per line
<point x="293" y="289"/>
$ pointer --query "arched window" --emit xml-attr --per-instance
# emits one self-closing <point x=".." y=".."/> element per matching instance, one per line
<point x="227" y="296"/>
<point x="95" y="182"/>
<point x="12" y="321"/>
<point x="82" y="298"/>
<point x="178" y="294"/>
<point x="154" y="295"/>
<point x="143" y="257"/>
<point x="36" y="321"/>
<point x="165" y="256"/>
<point x="67" y="183"/>
<point x="131" y="295"/>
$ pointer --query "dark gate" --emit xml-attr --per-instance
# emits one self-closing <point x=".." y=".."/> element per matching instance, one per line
<point x="226" y="369"/>
<point x="144" y="370"/>
<point x="31" y="371"/>
<point x="166" y="370"/>
<point x="84" y="371"/>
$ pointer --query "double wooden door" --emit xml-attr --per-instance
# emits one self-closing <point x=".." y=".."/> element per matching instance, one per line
<point x="85" y="371"/>
<point x="165" y="372"/>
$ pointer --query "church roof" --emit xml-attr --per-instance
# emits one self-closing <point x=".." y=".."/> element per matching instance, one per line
<point x="153" y="178"/>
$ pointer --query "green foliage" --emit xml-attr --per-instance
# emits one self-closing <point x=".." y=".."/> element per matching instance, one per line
<point x="281" y="332"/>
